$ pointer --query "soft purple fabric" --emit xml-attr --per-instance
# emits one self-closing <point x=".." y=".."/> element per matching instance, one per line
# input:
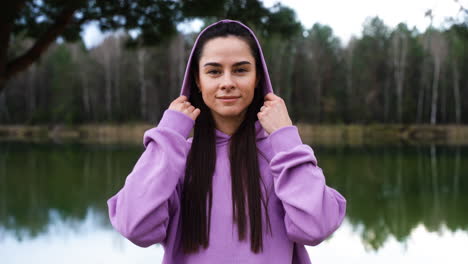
<point x="302" y="209"/>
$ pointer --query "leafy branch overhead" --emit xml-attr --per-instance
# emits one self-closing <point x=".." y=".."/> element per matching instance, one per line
<point x="155" y="20"/>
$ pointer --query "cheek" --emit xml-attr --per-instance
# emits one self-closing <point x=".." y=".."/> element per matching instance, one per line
<point x="206" y="87"/>
<point x="249" y="88"/>
<point x="208" y="95"/>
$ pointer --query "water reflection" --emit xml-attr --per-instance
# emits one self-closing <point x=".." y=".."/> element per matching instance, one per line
<point x="393" y="190"/>
<point x="54" y="195"/>
<point x="77" y="242"/>
<point x="67" y="178"/>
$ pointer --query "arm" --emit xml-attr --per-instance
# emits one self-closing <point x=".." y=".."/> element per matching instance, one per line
<point x="140" y="211"/>
<point x="313" y="211"/>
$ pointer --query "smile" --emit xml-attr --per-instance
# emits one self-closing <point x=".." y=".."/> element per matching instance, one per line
<point x="228" y="99"/>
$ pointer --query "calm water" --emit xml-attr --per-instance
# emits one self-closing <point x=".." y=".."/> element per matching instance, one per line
<point x="405" y="204"/>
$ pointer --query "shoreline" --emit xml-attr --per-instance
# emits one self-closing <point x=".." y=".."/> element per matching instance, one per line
<point x="132" y="133"/>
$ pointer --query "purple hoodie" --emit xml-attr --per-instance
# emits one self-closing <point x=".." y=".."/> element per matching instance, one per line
<point x="303" y="210"/>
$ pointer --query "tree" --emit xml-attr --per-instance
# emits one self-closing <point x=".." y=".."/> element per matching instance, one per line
<point x="45" y="21"/>
<point x="322" y="48"/>
<point x="155" y="20"/>
<point x="437" y="48"/>
<point x="371" y="72"/>
<point x="399" y="50"/>
<point x="458" y="37"/>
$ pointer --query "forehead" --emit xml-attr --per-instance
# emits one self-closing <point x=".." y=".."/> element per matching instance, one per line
<point x="226" y="50"/>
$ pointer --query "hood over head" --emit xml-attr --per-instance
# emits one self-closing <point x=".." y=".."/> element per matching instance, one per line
<point x="267" y="88"/>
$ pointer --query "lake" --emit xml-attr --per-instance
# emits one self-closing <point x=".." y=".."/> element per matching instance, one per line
<point x="406" y="204"/>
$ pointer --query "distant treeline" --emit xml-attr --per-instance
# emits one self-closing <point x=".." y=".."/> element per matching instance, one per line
<point x="387" y="75"/>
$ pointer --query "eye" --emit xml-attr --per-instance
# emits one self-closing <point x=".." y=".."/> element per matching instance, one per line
<point x="213" y="72"/>
<point x="241" y="70"/>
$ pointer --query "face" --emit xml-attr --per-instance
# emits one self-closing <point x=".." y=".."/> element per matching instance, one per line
<point x="227" y="77"/>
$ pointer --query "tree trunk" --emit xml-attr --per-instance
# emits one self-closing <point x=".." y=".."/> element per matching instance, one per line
<point x="106" y="62"/>
<point x="289" y="72"/>
<point x="435" y="91"/>
<point x="349" y="82"/>
<point x="85" y="98"/>
<point x="2" y="84"/>
<point x="419" y="113"/>
<point x="3" y="107"/>
<point x="116" y="72"/>
<point x="456" y="92"/>
<point x="318" y="101"/>
<point x="400" y="50"/>
<point x="141" y="78"/>
<point x="108" y="85"/>
<point x="32" y="92"/>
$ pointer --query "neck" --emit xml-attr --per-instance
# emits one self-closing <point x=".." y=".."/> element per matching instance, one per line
<point x="228" y="125"/>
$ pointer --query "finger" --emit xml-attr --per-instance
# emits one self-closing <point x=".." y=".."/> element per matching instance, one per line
<point x="191" y="108"/>
<point x="188" y="109"/>
<point x="270" y="96"/>
<point x="260" y="115"/>
<point x="184" y="105"/>
<point x="195" y="113"/>
<point x="181" y="99"/>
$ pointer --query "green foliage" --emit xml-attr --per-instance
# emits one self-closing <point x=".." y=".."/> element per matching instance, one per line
<point x="320" y="78"/>
<point x="156" y="20"/>
<point x="63" y="86"/>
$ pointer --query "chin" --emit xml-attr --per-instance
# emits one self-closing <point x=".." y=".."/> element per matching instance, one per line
<point x="229" y="113"/>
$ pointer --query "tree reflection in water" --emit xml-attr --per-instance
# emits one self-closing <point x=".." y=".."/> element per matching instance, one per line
<point x="391" y="190"/>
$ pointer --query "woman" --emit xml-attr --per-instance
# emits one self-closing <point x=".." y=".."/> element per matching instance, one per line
<point x="244" y="189"/>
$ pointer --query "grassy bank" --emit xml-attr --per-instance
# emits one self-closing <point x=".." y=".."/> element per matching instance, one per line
<point x="132" y="133"/>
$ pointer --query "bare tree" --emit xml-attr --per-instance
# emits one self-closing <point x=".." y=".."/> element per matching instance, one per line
<point x="116" y="66"/>
<point x="177" y="63"/>
<point x="77" y="57"/>
<point x="142" y="82"/>
<point x="31" y="87"/>
<point x="457" y="48"/>
<point x="438" y="49"/>
<point x="349" y="53"/>
<point x="108" y="55"/>
<point x="456" y="91"/>
<point x="399" y="52"/>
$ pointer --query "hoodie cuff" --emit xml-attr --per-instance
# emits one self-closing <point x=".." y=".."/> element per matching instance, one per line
<point x="285" y="138"/>
<point x="177" y="121"/>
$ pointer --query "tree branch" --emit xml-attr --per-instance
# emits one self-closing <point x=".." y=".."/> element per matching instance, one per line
<point x="30" y="56"/>
<point x="7" y="17"/>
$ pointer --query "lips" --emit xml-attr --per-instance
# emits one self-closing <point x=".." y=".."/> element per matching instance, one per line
<point x="228" y="99"/>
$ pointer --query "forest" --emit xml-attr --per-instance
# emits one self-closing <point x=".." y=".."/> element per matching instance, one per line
<point x="385" y="75"/>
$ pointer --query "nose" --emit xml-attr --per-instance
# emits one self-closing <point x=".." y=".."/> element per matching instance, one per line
<point x="227" y="83"/>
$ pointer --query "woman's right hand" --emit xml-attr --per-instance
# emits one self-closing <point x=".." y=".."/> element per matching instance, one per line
<point x="182" y="105"/>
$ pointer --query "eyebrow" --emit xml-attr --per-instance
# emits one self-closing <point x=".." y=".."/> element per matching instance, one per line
<point x="215" y="64"/>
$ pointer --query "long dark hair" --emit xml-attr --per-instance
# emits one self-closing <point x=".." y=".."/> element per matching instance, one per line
<point x="201" y="160"/>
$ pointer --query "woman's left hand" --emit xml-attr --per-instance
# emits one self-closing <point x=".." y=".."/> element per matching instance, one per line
<point x="273" y="114"/>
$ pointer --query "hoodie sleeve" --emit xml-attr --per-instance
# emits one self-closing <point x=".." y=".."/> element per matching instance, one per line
<point x="140" y="211"/>
<point x="313" y="211"/>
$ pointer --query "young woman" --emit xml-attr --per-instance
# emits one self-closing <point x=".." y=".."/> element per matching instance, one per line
<point x="244" y="189"/>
